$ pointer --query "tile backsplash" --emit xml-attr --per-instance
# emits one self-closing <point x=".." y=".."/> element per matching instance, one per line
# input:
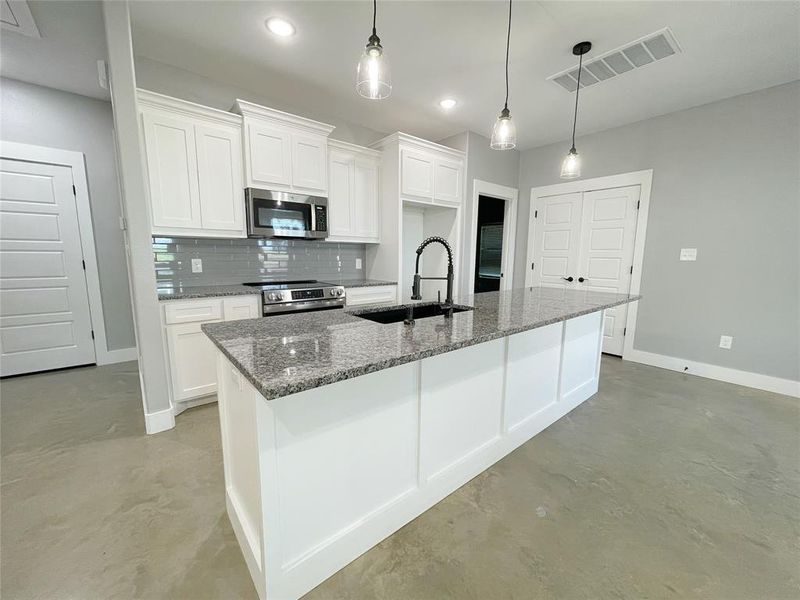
<point x="232" y="261"/>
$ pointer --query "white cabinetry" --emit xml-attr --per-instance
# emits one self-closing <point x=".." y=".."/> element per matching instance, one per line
<point x="422" y="192"/>
<point x="373" y="294"/>
<point x="191" y="354"/>
<point x="194" y="168"/>
<point x="353" y="200"/>
<point x="284" y="152"/>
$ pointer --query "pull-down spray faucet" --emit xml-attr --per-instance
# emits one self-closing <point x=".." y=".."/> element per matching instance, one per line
<point x="415" y="289"/>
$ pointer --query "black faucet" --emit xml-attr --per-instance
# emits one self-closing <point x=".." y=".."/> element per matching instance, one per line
<point x="415" y="289"/>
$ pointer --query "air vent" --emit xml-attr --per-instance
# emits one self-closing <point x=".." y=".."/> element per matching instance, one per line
<point x="644" y="51"/>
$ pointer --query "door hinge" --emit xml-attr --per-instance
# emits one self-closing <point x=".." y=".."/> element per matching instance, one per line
<point x="631" y="269"/>
<point x="74" y="191"/>
<point x="536" y="214"/>
<point x="92" y="333"/>
<point x="638" y="202"/>
<point x="83" y="263"/>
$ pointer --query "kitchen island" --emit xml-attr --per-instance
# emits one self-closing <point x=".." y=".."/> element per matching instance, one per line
<point x="336" y="430"/>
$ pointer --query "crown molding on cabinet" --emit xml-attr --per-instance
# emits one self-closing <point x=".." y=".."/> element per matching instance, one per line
<point x="348" y="147"/>
<point x="185" y="107"/>
<point x="278" y="117"/>
<point x="418" y="142"/>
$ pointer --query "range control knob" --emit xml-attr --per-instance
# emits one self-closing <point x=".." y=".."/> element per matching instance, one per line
<point x="274" y="296"/>
<point x="334" y="292"/>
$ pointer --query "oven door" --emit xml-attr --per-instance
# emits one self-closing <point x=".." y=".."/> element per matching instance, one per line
<point x="281" y="214"/>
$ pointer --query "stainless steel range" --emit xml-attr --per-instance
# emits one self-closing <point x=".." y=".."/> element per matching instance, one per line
<point x="301" y="295"/>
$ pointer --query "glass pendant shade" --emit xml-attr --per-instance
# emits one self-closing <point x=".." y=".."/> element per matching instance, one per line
<point x="571" y="167"/>
<point x="504" y="133"/>
<point x="373" y="75"/>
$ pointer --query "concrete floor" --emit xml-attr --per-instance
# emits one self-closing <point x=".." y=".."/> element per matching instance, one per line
<point x="661" y="486"/>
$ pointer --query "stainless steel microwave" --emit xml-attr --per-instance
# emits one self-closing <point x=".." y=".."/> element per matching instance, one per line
<point x="272" y="214"/>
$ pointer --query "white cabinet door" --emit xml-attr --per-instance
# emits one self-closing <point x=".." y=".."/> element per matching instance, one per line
<point x="219" y="166"/>
<point x="340" y="193"/>
<point x="270" y="155"/>
<point x="606" y="259"/>
<point x="192" y="358"/>
<point x="416" y="175"/>
<point x="365" y="198"/>
<point x="557" y="233"/>
<point x="172" y="170"/>
<point x="310" y="164"/>
<point x="448" y="175"/>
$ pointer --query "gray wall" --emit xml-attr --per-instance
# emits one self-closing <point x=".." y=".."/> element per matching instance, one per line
<point x="726" y="180"/>
<point x="179" y="83"/>
<point x="42" y="116"/>
<point x="232" y="261"/>
<point x="485" y="164"/>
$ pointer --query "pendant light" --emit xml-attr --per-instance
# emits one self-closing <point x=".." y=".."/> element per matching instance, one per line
<point x="373" y="76"/>
<point x="571" y="167"/>
<point x="504" y="132"/>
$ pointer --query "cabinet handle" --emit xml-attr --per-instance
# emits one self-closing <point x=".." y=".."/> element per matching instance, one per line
<point x="570" y="278"/>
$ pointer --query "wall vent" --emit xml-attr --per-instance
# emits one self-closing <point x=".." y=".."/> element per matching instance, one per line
<point x="644" y="51"/>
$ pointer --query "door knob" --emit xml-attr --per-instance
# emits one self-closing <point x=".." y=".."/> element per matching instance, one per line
<point x="582" y="279"/>
<point x="570" y="278"/>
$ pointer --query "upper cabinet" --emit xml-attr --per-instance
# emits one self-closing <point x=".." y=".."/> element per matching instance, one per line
<point x="430" y="173"/>
<point x="194" y="168"/>
<point x="284" y="152"/>
<point x="353" y="200"/>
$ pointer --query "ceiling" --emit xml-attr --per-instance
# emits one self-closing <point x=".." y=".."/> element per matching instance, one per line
<point x="65" y="57"/>
<point x="451" y="48"/>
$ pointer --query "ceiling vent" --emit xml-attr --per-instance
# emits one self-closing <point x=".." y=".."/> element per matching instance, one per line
<point x="644" y="51"/>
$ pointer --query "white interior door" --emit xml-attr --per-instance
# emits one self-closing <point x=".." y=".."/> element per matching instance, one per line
<point x="606" y="258"/>
<point x="557" y="232"/>
<point x="44" y="306"/>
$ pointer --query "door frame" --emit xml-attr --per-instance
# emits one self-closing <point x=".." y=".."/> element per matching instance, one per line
<point x="644" y="179"/>
<point x="509" y="196"/>
<point x="75" y="161"/>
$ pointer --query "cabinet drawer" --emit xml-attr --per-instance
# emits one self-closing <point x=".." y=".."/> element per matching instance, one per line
<point x="378" y="294"/>
<point x="192" y="311"/>
<point x="241" y="307"/>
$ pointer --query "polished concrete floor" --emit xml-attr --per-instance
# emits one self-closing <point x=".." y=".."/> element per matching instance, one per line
<point x="661" y="486"/>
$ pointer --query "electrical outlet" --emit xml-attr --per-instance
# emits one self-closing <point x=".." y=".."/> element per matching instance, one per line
<point x="358" y="264"/>
<point x="197" y="265"/>
<point x="725" y="341"/>
<point x="688" y="253"/>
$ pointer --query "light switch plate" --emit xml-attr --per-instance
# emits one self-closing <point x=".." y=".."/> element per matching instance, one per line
<point x="688" y="253"/>
<point x="197" y="265"/>
<point x="725" y="341"/>
<point x="358" y="264"/>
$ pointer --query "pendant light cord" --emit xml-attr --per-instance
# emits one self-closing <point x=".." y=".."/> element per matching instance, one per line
<point x="374" y="15"/>
<point x="577" y="91"/>
<point x="508" y="44"/>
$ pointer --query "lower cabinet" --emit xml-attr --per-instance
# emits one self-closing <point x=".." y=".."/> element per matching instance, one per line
<point x="191" y="355"/>
<point x="375" y="294"/>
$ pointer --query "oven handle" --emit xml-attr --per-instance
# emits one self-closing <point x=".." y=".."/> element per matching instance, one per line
<point x="296" y="306"/>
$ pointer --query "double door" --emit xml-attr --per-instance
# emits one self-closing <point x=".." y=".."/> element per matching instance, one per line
<point x="585" y="241"/>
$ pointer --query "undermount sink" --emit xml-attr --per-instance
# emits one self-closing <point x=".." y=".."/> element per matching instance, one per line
<point x="398" y="315"/>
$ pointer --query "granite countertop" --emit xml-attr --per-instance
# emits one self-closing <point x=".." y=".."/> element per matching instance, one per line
<point x="210" y="291"/>
<point x="283" y="355"/>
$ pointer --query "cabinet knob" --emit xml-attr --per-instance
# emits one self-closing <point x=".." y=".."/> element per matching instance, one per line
<point x="570" y="278"/>
<point x="582" y="279"/>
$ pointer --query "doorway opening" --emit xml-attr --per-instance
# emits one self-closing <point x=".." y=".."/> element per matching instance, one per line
<point x="492" y="232"/>
<point x="489" y="244"/>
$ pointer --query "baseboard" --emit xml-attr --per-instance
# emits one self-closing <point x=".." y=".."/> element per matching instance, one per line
<point x="758" y="381"/>
<point x="109" y="357"/>
<point x="159" y="421"/>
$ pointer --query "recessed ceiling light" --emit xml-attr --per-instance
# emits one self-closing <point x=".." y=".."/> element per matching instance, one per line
<point x="280" y="27"/>
<point x="447" y="103"/>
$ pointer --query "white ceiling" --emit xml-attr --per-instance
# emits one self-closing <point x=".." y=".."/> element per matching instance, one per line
<point x="65" y="58"/>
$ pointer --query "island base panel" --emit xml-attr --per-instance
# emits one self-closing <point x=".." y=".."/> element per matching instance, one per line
<point x="315" y="479"/>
